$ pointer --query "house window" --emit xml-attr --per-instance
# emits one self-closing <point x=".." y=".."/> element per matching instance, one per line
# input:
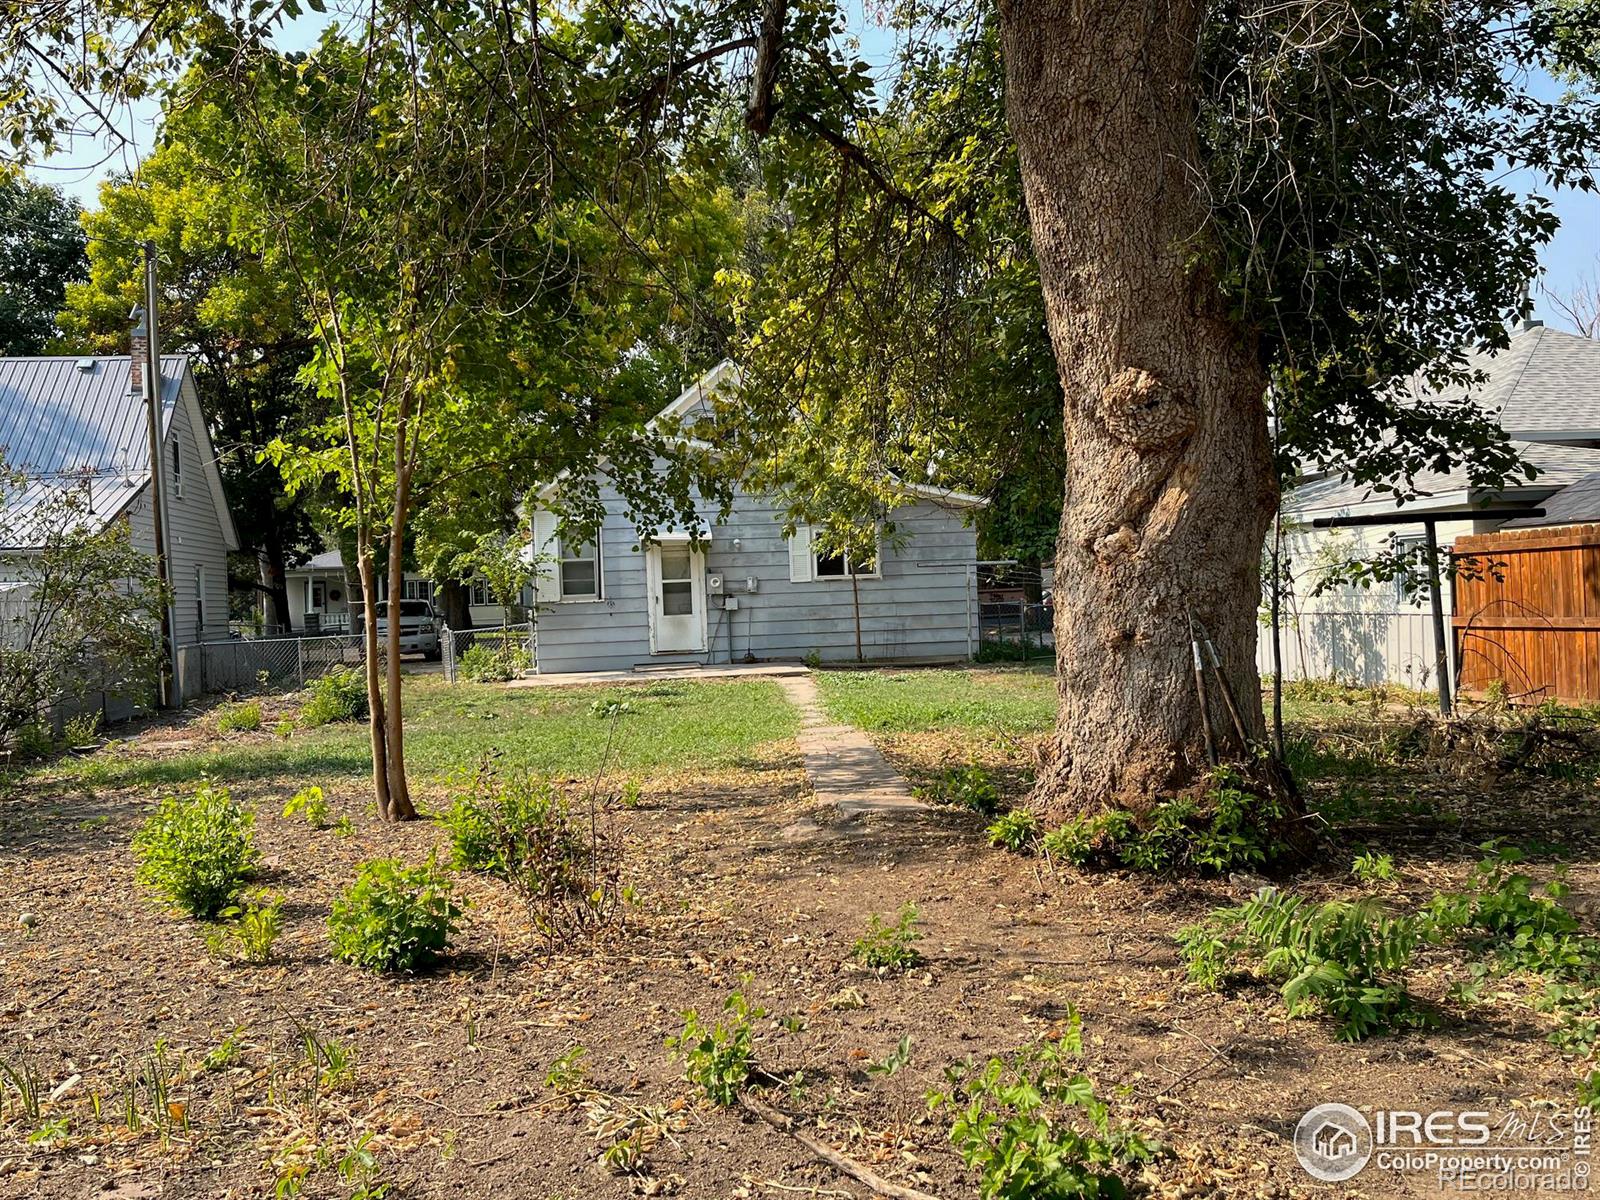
<point x="416" y="589"/>
<point x="480" y="592"/>
<point x="580" y="570"/>
<point x="843" y="566"/>
<point x="177" y="470"/>
<point x="1407" y="550"/>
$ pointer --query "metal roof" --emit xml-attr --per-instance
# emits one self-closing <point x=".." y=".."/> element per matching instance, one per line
<point x="67" y="419"/>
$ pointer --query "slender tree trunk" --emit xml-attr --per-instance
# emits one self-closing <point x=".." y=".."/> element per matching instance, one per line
<point x="369" y="645"/>
<point x="400" y="806"/>
<point x="1169" y="483"/>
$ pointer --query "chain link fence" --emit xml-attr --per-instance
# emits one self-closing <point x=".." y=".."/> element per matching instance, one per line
<point x="489" y="653"/>
<point x="235" y="664"/>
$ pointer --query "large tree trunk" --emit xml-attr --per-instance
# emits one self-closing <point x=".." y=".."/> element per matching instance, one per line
<point x="1169" y="483"/>
<point x="277" y="581"/>
<point x="455" y="603"/>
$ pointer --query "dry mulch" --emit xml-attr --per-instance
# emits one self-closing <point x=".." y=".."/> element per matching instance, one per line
<point x="738" y="876"/>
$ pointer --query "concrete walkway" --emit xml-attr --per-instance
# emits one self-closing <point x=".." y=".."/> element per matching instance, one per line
<point x="846" y="769"/>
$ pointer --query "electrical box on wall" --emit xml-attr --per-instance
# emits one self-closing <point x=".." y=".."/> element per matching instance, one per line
<point x="714" y="584"/>
<point x="731" y="604"/>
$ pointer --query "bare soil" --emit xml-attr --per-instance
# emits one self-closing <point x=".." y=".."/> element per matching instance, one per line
<point x="740" y="876"/>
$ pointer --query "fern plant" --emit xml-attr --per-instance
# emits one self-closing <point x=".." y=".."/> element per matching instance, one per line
<point x="1345" y="959"/>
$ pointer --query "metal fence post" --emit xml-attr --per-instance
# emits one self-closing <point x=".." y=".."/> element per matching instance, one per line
<point x="300" y="659"/>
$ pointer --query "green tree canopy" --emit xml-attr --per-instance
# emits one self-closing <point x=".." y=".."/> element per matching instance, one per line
<point x="41" y="253"/>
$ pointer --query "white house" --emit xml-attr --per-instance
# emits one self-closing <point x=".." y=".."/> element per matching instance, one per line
<point x="322" y="595"/>
<point x="1544" y="390"/>
<point x="736" y="589"/>
<point x="65" y="418"/>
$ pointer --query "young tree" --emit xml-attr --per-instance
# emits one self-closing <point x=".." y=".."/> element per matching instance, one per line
<point x="81" y="606"/>
<point x="41" y="252"/>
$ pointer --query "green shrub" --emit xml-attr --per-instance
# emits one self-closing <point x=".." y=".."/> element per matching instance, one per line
<point x="310" y="802"/>
<point x="886" y="947"/>
<point x="245" y="717"/>
<point x="32" y="740"/>
<point x="1034" y="1129"/>
<point x="966" y="787"/>
<point x="1016" y="830"/>
<point x="249" y="939"/>
<point x="197" y="852"/>
<point x="1367" y="867"/>
<point x="338" y="695"/>
<point x="395" y="917"/>
<point x="494" y="661"/>
<point x="718" y="1057"/>
<point x="521" y="831"/>
<point x="81" y="731"/>
<point x="1347" y="959"/>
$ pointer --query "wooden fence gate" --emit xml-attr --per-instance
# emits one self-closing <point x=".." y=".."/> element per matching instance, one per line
<point x="1527" y="611"/>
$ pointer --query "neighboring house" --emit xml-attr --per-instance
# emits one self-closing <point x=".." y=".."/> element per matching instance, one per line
<point x="62" y="418"/>
<point x="740" y="590"/>
<point x="1544" y="390"/>
<point x="322" y="596"/>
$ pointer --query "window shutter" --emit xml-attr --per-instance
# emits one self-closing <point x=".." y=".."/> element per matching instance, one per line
<point x="546" y="580"/>
<point x="800" y="555"/>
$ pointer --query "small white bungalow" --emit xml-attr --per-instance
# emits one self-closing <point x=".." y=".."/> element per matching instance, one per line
<point x="740" y="590"/>
<point x="322" y="595"/>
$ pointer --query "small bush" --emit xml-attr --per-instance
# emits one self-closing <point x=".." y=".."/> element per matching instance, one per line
<point x="310" y="802"/>
<point x="1346" y="959"/>
<point x="197" y="852"/>
<point x="718" y="1057"/>
<point x="81" y="731"/>
<point x="1372" y="868"/>
<point x="494" y="661"/>
<point x="32" y="741"/>
<point x="338" y="695"/>
<point x="395" y="917"/>
<point x="966" y="787"/>
<point x="1016" y="831"/>
<point x="256" y="926"/>
<point x="242" y="718"/>
<point x="1033" y="1128"/>
<point x="521" y="831"/>
<point x="886" y="947"/>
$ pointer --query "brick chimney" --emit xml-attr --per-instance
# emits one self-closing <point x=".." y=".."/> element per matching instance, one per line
<point x="138" y="352"/>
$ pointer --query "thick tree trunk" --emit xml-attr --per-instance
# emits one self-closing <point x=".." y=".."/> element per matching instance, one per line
<point x="1169" y="483"/>
<point x="455" y="604"/>
<point x="277" y="582"/>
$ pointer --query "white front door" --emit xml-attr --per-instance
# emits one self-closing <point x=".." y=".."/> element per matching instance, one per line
<point x="677" y="582"/>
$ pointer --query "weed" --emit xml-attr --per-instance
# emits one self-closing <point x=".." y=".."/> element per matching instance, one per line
<point x="1016" y="831"/>
<point x="22" y="1079"/>
<point x="239" y="718"/>
<point x="1033" y="1127"/>
<point x="338" y="695"/>
<point x="568" y="1072"/>
<point x="494" y="662"/>
<point x="895" y="1060"/>
<point x="606" y="709"/>
<point x="332" y="1062"/>
<point x="197" y="852"/>
<point x="226" y="1053"/>
<point x="1367" y="867"/>
<point x="521" y="830"/>
<point x="32" y="740"/>
<point x="965" y="787"/>
<point x="358" y="1168"/>
<point x="284" y="728"/>
<point x="82" y="731"/>
<point x="394" y="917"/>
<point x="1344" y="958"/>
<point x="51" y="1133"/>
<point x="886" y="947"/>
<point x="312" y="804"/>
<point x="718" y="1057"/>
<point x="1589" y="1090"/>
<point x="255" y="927"/>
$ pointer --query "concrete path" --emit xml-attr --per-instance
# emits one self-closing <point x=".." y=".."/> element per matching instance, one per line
<point x="846" y="769"/>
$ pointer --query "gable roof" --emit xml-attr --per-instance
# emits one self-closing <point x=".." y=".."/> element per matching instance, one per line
<point x="1576" y="504"/>
<point x="1544" y="386"/>
<point x="74" y="417"/>
<point x="727" y="373"/>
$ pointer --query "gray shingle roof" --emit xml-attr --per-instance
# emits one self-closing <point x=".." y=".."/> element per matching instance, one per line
<point x="1575" y="504"/>
<point x="1558" y="466"/>
<point x="60" y="420"/>
<point x="1545" y="384"/>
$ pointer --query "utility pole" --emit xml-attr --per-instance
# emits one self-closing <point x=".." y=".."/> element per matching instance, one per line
<point x="171" y="684"/>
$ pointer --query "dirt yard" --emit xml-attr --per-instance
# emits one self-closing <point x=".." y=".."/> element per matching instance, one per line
<point x="162" y="1071"/>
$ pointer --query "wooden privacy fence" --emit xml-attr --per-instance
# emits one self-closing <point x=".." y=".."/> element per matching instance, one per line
<point x="1531" y="616"/>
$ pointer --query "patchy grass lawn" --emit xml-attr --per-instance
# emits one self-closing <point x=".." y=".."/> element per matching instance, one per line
<point x="668" y="725"/>
<point x="160" y="1070"/>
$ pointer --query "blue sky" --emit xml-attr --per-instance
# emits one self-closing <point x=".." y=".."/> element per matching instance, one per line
<point x="1570" y="259"/>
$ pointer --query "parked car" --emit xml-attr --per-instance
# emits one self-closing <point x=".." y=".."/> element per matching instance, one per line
<point x="419" y="628"/>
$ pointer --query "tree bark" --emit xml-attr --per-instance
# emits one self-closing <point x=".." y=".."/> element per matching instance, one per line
<point x="1169" y="484"/>
<point x="455" y="603"/>
<point x="400" y="806"/>
<point x="277" y="583"/>
<point x="376" y="724"/>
